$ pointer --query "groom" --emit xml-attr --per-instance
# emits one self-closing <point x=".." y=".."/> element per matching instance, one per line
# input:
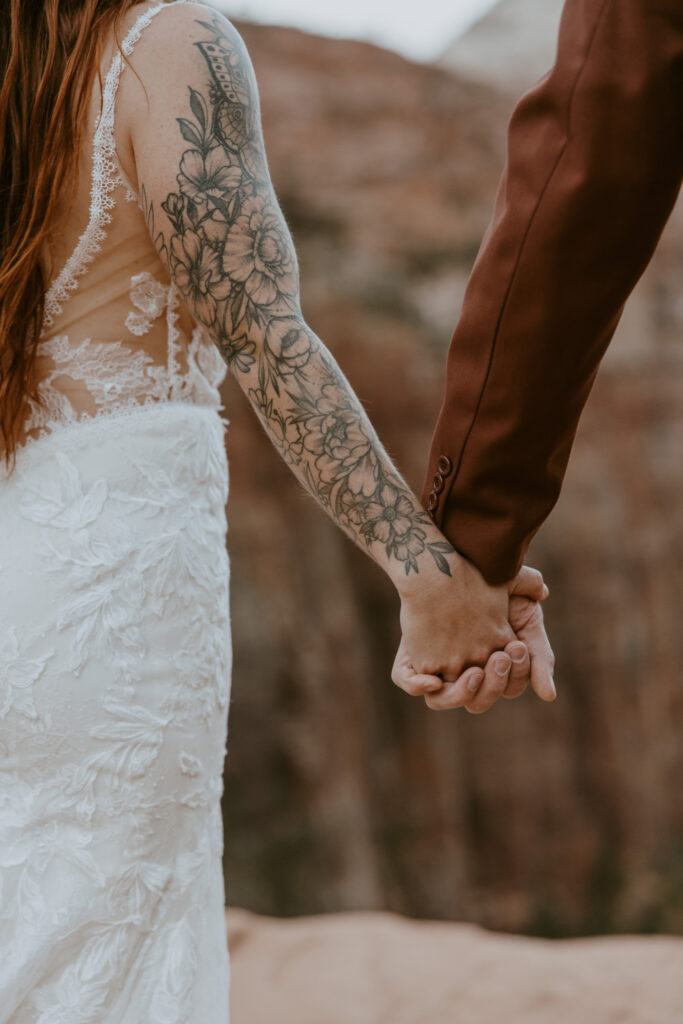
<point x="595" y="163"/>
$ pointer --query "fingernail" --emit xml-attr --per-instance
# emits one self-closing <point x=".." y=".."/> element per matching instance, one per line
<point x="501" y="666"/>
<point x="553" y="687"/>
<point x="546" y="592"/>
<point x="520" y="658"/>
<point x="475" y="681"/>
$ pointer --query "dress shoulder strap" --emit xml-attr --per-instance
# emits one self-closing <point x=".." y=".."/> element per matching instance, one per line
<point x="105" y="176"/>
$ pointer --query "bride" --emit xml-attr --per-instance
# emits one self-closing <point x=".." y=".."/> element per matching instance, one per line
<point x="142" y="254"/>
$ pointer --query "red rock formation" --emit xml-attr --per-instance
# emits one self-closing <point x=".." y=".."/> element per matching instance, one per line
<point x="341" y="791"/>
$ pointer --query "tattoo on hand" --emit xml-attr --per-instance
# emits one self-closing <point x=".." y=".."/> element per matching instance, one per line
<point x="231" y="253"/>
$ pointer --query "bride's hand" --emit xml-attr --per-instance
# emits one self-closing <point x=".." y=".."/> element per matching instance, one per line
<point x="465" y="643"/>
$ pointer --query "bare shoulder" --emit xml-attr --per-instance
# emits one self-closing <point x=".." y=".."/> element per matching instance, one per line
<point x="187" y="48"/>
<point x="175" y="44"/>
<point x="184" y="17"/>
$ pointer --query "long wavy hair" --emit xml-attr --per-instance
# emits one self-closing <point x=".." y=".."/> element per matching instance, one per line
<point x="50" y="52"/>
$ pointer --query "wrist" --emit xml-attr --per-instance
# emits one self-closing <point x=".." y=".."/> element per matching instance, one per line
<point x="436" y="570"/>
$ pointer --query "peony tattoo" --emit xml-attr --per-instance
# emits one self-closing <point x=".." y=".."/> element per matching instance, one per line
<point x="228" y="247"/>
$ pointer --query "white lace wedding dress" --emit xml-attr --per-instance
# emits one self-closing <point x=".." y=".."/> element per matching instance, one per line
<point x="115" y="653"/>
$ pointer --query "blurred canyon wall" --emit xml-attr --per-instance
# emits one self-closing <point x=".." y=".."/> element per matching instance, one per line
<point x="341" y="791"/>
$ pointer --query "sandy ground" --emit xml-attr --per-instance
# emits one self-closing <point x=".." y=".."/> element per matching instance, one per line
<point x="378" y="968"/>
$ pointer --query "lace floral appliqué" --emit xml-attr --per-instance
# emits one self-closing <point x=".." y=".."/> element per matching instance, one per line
<point x="150" y="297"/>
<point x="19" y="674"/>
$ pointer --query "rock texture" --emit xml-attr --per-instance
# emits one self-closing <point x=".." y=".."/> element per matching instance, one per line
<point x="342" y="793"/>
<point x="374" y="968"/>
<point x="511" y="46"/>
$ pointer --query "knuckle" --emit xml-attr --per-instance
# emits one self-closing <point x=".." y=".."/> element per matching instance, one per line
<point x="409" y="686"/>
<point x="428" y="668"/>
<point x="480" y="656"/>
<point x="503" y="636"/>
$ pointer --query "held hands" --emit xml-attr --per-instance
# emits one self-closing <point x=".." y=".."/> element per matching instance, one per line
<point x="466" y="643"/>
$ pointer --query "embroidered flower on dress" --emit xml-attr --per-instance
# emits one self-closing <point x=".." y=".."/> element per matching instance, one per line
<point x="134" y="737"/>
<point x="18" y="675"/>
<point x="189" y="764"/>
<point x="150" y="297"/>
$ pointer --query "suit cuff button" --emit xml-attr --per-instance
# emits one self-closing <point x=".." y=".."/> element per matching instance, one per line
<point x="438" y="483"/>
<point x="444" y="465"/>
<point x="433" y="501"/>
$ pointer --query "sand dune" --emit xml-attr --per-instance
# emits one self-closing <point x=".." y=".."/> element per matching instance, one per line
<point x="380" y="968"/>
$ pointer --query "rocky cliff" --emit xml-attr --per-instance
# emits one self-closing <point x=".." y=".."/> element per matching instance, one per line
<point x="511" y="46"/>
<point x="341" y="791"/>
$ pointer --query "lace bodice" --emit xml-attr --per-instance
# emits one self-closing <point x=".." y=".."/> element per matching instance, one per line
<point x="116" y="334"/>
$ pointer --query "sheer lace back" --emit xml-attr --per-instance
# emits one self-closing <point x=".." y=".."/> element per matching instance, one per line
<point x="116" y="334"/>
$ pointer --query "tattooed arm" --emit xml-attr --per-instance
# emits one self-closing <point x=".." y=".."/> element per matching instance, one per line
<point x="227" y="245"/>
<point x="216" y="222"/>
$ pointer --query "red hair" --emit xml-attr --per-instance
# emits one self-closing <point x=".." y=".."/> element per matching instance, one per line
<point x="50" y="52"/>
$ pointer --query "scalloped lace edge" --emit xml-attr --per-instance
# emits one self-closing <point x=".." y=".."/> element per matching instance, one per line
<point x="105" y="177"/>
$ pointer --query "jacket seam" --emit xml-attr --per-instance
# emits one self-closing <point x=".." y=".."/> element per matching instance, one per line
<point x="446" y="495"/>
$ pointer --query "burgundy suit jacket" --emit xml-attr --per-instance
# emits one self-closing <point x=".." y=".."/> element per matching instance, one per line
<point x="594" y="166"/>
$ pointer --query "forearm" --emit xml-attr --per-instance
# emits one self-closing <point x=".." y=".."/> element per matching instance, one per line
<point x="595" y="159"/>
<point x="319" y="426"/>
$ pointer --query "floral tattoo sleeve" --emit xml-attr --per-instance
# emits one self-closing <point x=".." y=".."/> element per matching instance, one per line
<point x="228" y="248"/>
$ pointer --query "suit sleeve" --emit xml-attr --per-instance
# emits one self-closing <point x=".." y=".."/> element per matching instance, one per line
<point x="594" y="166"/>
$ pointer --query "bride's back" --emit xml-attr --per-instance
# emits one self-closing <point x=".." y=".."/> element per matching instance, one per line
<point x="115" y="649"/>
<point x="116" y="332"/>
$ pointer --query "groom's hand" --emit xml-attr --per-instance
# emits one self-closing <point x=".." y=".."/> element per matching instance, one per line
<point x="478" y="690"/>
<point x="473" y="643"/>
<point x="526" y="619"/>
